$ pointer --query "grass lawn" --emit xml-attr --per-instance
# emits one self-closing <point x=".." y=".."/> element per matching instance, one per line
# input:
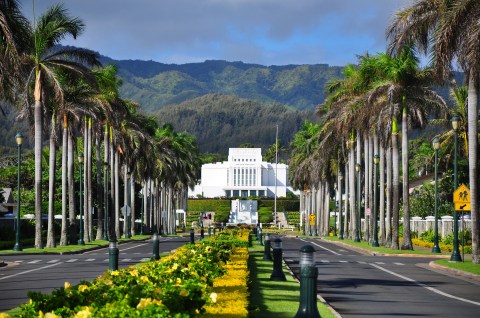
<point x="466" y="266"/>
<point x="384" y="250"/>
<point x="72" y="248"/>
<point x="273" y="298"/>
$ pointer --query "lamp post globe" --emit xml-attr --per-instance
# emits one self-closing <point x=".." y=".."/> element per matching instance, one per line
<point x="18" y="245"/>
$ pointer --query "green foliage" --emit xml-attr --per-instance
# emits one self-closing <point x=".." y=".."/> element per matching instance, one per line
<point x="282" y="204"/>
<point x="265" y="214"/>
<point x="220" y="121"/>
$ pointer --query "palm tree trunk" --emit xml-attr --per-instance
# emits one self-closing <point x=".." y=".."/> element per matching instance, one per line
<point x="407" y="238"/>
<point x="85" y="181"/>
<point x="359" y="175"/>
<point x="38" y="126"/>
<point x="381" y="168"/>
<point x="473" y="162"/>
<point x="346" y="218"/>
<point x="396" y="191"/>
<point x="367" y="188"/>
<point x="351" y="182"/>
<point x="64" y="230"/>
<point x="100" y="207"/>
<point x="388" y="214"/>
<point x="116" y="165"/>
<point x="326" y="208"/>
<point x="51" y="190"/>
<point x="89" y="180"/>
<point x="132" y="206"/>
<point x="71" y="192"/>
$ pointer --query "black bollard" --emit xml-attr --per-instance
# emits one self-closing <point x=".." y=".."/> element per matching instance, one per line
<point x="192" y="236"/>
<point x="202" y="232"/>
<point x="267" y="256"/>
<point x="209" y="231"/>
<point x="214" y="230"/>
<point x="308" y="284"/>
<point x="250" y="239"/>
<point x="113" y="254"/>
<point x="260" y="236"/>
<point x="156" y="247"/>
<point x="277" y="273"/>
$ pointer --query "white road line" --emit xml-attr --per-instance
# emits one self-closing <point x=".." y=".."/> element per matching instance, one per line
<point x="53" y="261"/>
<point x="31" y="270"/>
<point x="432" y="289"/>
<point x="321" y="247"/>
<point x="325" y="261"/>
<point x="35" y="261"/>
<point x="343" y="261"/>
<point x="72" y="260"/>
<point x="89" y="260"/>
<point x="20" y="261"/>
<point x="401" y="264"/>
<point x="144" y="259"/>
<point x="126" y="260"/>
<point x="106" y="260"/>
<point x="361" y="262"/>
<point x="129" y="248"/>
<point x="380" y="263"/>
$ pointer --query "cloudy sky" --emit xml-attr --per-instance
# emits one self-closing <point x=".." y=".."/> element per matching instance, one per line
<point x="268" y="32"/>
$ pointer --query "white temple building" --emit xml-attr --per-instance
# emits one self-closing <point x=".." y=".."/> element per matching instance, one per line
<point x="243" y="175"/>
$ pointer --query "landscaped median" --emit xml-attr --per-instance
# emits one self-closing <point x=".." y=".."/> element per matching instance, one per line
<point x="183" y="284"/>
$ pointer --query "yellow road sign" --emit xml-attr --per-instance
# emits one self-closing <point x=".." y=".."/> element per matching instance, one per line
<point x="462" y="207"/>
<point x="462" y="194"/>
<point x="312" y="219"/>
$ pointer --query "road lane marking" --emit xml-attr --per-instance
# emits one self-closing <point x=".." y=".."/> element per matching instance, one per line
<point x="325" y="261"/>
<point x="343" y="261"/>
<point x="20" y="261"/>
<point x="144" y="259"/>
<point x="53" y="261"/>
<point x="89" y="260"/>
<point x="31" y="270"/>
<point x="432" y="289"/>
<point x="106" y="260"/>
<point x="397" y="263"/>
<point x="35" y="261"/>
<point x="361" y="262"/>
<point x="72" y="260"/>
<point x="129" y="248"/>
<point x="126" y="260"/>
<point x="321" y="247"/>
<point x="380" y="263"/>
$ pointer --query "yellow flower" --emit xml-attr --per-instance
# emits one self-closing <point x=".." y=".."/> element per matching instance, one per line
<point x="82" y="288"/>
<point x="179" y="281"/>
<point x="67" y="285"/>
<point x="175" y="266"/>
<point x="4" y="315"/>
<point x="40" y="314"/>
<point x="134" y="273"/>
<point x="144" y="302"/>
<point x="213" y="297"/>
<point x="144" y="279"/>
<point x="114" y="273"/>
<point x="84" y="313"/>
<point x="51" y="315"/>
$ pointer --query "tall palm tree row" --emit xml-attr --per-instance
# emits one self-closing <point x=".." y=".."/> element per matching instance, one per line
<point x="69" y="87"/>
<point x="447" y="31"/>
<point x="368" y="103"/>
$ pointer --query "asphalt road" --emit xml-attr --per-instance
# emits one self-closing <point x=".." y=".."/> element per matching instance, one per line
<point x="45" y="273"/>
<point x="358" y="285"/>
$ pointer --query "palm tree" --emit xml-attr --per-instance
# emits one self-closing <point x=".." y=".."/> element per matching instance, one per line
<point x="45" y="59"/>
<point x="448" y="30"/>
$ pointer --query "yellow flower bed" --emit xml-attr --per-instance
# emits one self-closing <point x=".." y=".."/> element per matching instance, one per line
<point x="229" y="293"/>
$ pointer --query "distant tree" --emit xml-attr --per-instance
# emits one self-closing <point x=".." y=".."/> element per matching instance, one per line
<point x="247" y="145"/>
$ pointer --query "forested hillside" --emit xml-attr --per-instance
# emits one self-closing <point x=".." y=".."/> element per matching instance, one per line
<point x="223" y="121"/>
<point x="155" y="85"/>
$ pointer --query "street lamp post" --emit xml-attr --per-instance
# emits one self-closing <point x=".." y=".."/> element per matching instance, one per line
<point x="436" y="248"/>
<point x="357" y="228"/>
<point x="376" y="160"/>
<point x="18" y="245"/>
<point x="455" y="253"/>
<point x="141" y="218"/>
<point x="127" y="208"/>
<point x="80" y="239"/>
<point x="340" y="218"/>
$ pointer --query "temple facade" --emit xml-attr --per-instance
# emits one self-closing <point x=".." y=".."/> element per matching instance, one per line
<point x="243" y="175"/>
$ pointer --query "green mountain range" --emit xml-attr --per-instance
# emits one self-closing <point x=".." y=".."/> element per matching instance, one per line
<point x="156" y="85"/>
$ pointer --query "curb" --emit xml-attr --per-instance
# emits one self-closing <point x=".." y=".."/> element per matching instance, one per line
<point x="454" y="271"/>
<point x="373" y="253"/>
